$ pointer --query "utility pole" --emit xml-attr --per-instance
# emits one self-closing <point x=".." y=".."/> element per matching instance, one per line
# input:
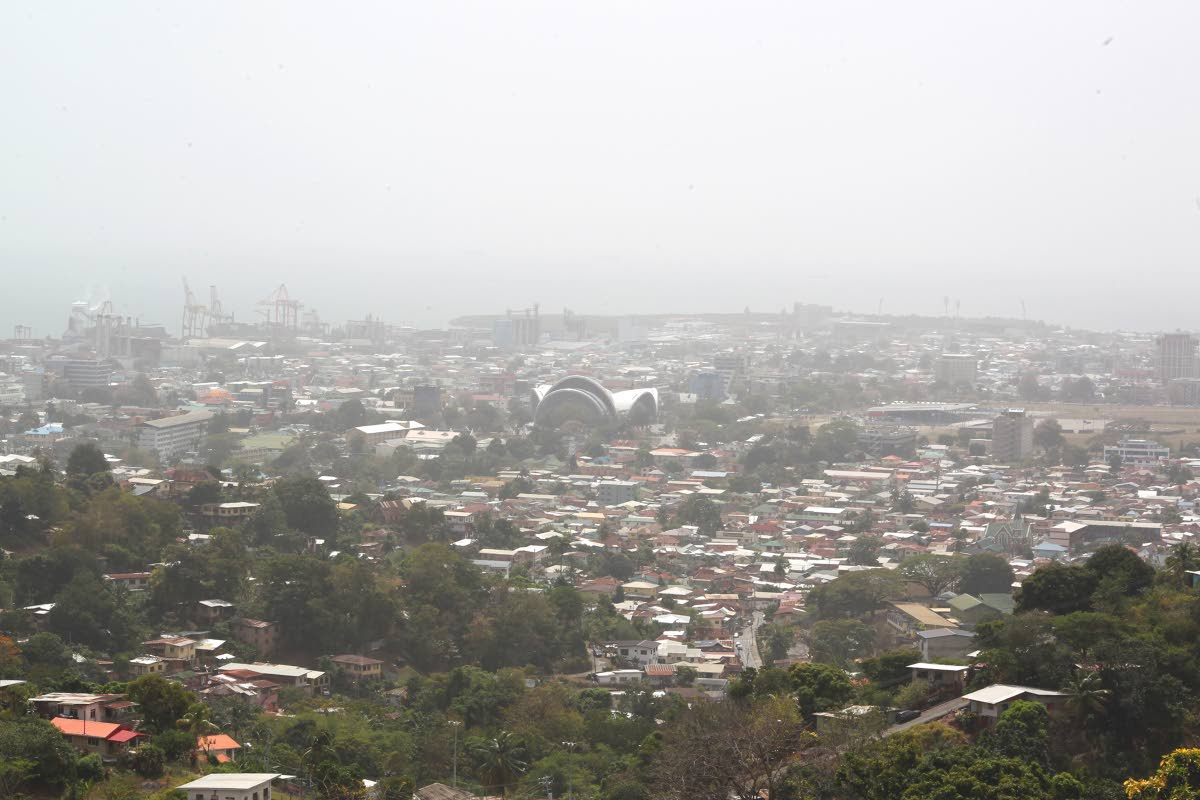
<point x="455" y="723"/>
<point x="570" y="773"/>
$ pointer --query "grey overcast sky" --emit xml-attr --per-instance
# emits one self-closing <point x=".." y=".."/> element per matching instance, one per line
<point x="419" y="160"/>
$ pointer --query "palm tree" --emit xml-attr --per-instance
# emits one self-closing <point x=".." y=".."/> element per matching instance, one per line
<point x="321" y="749"/>
<point x="1086" y="697"/>
<point x="1184" y="557"/>
<point x="499" y="761"/>
<point x="197" y="725"/>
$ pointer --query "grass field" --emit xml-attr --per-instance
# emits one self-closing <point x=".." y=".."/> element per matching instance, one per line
<point x="1187" y="417"/>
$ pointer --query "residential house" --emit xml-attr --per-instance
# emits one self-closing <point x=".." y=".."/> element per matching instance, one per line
<point x="282" y="674"/>
<point x="989" y="703"/>
<point x="619" y="677"/>
<point x="972" y="610"/>
<point x="640" y="590"/>
<point x="210" y="611"/>
<point x="945" y="643"/>
<point x="261" y="634"/>
<point x="939" y="675"/>
<point x="108" y="739"/>
<point x="221" y="747"/>
<point x="908" y="619"/>
<point x="358" y="668"/>
<point x="130" y="581"/>
<point x="147" y="665"/>
<point x="228" y="513"/>
<point x="83" y="705"/>
<point x="230" y="786"/>
<point x="641" y="652"/>
<point x="173" y="648"/>
<point x="660" y="674"/>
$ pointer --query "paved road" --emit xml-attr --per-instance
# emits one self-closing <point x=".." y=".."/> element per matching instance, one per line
<point x="747" y="643"/>
<point x="937" y="712"/>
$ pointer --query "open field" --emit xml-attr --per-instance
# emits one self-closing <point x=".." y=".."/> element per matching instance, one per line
<point x="1175" y="426"/>
<point x="1187" y="417"/>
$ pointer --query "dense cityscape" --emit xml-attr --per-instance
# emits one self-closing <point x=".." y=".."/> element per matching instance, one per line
<point x="798" y="554"/>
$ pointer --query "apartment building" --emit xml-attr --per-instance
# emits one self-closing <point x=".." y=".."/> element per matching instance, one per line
<point x="1012" y="436"/>
<point x="173" y="436"/>
<point x="955" y="368"/>
<point x="1137" y="452"/>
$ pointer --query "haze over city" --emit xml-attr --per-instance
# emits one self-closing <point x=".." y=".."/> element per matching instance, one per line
<point x="422" y="161"/>
<point x="599" y="400"/>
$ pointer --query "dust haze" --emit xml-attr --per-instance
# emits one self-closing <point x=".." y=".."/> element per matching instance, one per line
<point x="420" y="161"/>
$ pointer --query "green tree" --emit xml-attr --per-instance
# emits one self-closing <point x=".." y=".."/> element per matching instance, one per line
<point x="1121" y="568"/>
<point x="86" y="459"/>
<point x="500" y="761"/>
<point x="700" y="511"/>
<point x="48" y="650"/>
<point x="986" y="573"/>
<point x="307" y="506"/>
<point x="87" y="612"/>
<point x="34" y="741"/>
<point x="819" y="687"/>
<point x="1182" y="559"/>
<point x="149" y="761"/>
<point x="516" y="486"/>
<point x="161" y="701"/>
<point x="1086" y="696"/>
<point x="856" y="593"/>
<point x="776" y="640"/>
<point x="1021" y="732"/>
<point x="1058" y="589"/>
<point x="935" y="573"/>
<point x="864" y="551"/>
<point x="890" y="668"/>
<point x="196" y="724"/>
<point x="1048" y="435"/>
<point x="840" y="641"/>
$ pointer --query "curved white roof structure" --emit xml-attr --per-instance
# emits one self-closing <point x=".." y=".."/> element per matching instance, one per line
<point x="584" y="400"/>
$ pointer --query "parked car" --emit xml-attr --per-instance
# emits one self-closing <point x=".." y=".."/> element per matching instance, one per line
<point x="907" y="715"/>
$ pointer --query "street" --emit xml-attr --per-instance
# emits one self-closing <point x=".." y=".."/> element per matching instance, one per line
<point x="747" y="642"/>
<point x="937" y="712"/>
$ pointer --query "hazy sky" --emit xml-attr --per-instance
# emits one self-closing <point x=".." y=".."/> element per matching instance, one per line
<point x="419" y="160"/>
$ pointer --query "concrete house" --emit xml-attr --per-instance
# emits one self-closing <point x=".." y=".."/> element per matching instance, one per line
<point x="989" y="703"/>
<point x="231" y="786"/>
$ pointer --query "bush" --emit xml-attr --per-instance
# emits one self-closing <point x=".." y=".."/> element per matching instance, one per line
<point x="174" y="744"/>
<point x="913" y="695"/>
<point x="149" y="761"/>
<point x="89" y="768"/>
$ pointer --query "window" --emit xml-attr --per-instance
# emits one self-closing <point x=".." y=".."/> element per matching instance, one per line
<point x="93" y="741"/>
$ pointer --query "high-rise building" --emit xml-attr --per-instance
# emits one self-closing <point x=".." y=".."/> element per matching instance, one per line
<point x="1012" y="436"/>
<point x="955" y="368"/>
<point x="1177" y="357"/>
<point x="173" y="436"/>
<point x="888" y="441"/>
<point x="427" y="400"/>
<point x="732" y="369"/>
<point x="517" y="332"/>
<point x="83" y="373"/>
